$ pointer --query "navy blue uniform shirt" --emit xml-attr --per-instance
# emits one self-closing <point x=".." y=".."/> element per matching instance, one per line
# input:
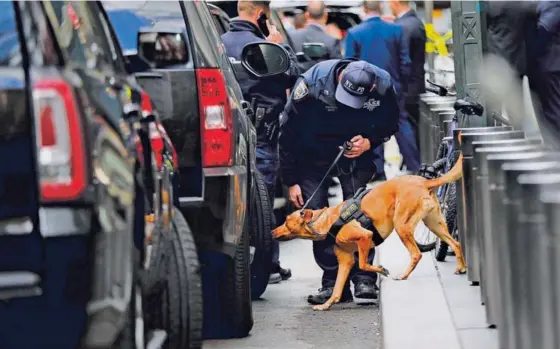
<point x="315" y="124"/>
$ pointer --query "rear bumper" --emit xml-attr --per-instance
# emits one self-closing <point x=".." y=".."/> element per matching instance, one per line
<point x="45" y="296"/>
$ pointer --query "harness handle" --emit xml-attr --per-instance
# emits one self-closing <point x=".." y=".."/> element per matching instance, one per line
<point x="347" y="146"/>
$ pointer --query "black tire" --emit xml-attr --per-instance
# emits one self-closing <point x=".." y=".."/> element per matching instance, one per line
<point x="260" y="236"/>
<point x="236" y="295"/>
<point x="450" y="219"/>
<point x="180" y="300"/>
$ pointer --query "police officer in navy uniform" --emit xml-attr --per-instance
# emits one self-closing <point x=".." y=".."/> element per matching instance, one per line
<point x="270" y="98"/>
<point x="335" y="101"/>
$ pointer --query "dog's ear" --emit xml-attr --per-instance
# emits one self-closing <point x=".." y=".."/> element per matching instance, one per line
<point x="307" y="215"/>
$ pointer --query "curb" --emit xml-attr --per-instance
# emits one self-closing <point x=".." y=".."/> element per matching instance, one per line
<point x="414" y="313"/>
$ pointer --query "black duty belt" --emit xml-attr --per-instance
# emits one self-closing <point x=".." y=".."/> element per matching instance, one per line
<point x="352" y="210"/>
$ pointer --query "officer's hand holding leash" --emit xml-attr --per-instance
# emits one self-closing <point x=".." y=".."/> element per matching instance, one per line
<point x="359" y="146"/>
<point x="295" y="190"/>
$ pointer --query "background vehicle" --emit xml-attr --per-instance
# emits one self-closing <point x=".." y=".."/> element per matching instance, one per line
<point x="171" y="280"/>
<point x="69" y="265"/>
<point x="215" y="140"/>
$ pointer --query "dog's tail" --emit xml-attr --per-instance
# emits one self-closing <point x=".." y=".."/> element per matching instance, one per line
<point x="454" y="174"/>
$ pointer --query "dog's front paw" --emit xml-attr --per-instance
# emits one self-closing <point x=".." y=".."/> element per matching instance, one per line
<point x="384" y="271"/>
<point x="461" y="271"/>
<point x="401" y="277"/>
<point x="321" y="307"/>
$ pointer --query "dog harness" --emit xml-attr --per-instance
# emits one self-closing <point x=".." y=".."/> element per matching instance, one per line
<point x="351" y="210"/>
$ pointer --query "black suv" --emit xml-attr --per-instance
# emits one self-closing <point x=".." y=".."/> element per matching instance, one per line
<point x="69" y="215"/>
<point x="194" y="88"/>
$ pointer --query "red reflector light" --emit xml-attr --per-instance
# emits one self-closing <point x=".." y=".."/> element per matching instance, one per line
<point x="60" y="141"/>
<point x="48" y="137"/>
<point x="216" y="121"/>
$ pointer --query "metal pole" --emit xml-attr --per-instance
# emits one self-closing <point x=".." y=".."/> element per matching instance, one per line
<point x="469" y="41"/>
<point x="429" y="13"/>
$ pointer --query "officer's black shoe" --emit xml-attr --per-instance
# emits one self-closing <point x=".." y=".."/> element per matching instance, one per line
<point x="325" y="293"/>
<point x="365" y="290"/>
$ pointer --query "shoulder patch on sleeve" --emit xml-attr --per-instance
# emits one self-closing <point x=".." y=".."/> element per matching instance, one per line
<point x="301" y="90"/>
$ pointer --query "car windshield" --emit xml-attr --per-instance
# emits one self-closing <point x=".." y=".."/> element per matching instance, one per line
<point x="126" y="24"/>
<point x="9" y="41"/>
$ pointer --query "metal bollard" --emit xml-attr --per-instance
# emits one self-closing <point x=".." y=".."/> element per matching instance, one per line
<point x="461" y="228"/>
<point x="499" y="234"/>
<point x="444" y="117"/>
<point x="551" y="242"/>
<point x="524" y="317"/>
<point x="485" y="223"/>
<point x="481" y="207"/>
<point x="465" y="205"/>
<point x="433" y="132"/>
<point x="438" y="118"/>
<point x="428" y="102"/>
<point x="531" y="233"/>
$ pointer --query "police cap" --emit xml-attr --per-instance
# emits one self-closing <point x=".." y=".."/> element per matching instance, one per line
<point x="356" y="84"/>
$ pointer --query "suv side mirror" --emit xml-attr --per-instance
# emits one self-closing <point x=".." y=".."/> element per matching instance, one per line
<point x="264" y="59"/>
<point x="315" y="50"/>
<point x="162" y="49"/>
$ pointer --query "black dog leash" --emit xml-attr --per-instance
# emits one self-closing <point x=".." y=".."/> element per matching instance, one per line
<point x="347" y="146"/>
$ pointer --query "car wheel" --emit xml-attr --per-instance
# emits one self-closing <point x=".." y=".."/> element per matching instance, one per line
<point x="182" y="298"/>
<point x="260" y="236"/>
<point x="236" y="294"/>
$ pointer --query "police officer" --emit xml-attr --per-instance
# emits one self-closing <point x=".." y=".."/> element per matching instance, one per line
<point x="333" y="102"/>
<point x="270" y="96"/>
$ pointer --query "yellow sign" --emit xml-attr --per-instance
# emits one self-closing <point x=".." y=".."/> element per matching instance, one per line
<point x="436" y="42"/>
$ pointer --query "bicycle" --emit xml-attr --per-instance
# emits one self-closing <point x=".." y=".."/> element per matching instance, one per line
<point x="445" y="159"/>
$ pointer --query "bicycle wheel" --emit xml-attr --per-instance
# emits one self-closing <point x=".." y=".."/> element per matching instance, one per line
<point x="450" y="213"/>
<point x="425" y="239"/>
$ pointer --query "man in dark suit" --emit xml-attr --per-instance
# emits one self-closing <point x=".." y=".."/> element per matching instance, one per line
<point x="384" y="44"/>
<point x="415" y="35"/>
<point x="316" y="16"/>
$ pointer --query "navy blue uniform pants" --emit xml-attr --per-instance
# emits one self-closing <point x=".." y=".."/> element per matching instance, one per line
<point x="408" y="146"/>
<point x="323" y="251"/>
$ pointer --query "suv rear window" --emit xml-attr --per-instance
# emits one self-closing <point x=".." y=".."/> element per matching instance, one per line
<point x="10" y="54"/>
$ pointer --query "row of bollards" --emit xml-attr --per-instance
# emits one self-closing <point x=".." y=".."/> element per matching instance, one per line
<point x="509" y="226"/>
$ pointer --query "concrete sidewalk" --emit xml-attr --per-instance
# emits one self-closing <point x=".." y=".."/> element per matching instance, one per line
<point x="434" y="308"/>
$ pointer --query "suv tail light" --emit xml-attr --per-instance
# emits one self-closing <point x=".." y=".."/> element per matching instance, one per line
<point x="157" y="133"/>
<point x="59" y="141"/>
<point x="216" y="121"/>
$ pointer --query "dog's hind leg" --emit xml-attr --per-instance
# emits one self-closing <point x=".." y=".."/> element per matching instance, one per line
<point x="407" y="217"/>
<point x="354" y="232"/>
<point x="436" y="223"/>
<point x="345" y="264"/>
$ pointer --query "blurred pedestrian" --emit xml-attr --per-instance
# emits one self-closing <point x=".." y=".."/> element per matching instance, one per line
<point x="315" y="31"/>
<point x="383" y="44"/>
<point x="270" y="99"/>
<point x="415" y="35"/>
<point x="300" y="21"/>
<point x="544" y="72"/>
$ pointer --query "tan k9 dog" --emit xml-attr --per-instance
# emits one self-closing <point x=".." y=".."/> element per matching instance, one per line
<point x="399" y="204"/>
